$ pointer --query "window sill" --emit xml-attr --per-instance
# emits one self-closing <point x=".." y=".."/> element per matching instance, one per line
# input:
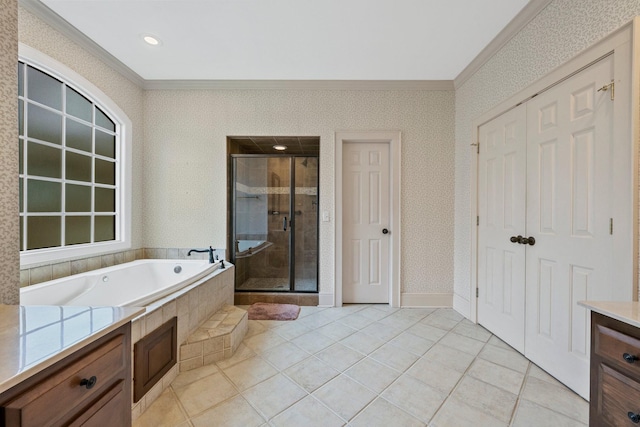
<point x="54" y="255"/>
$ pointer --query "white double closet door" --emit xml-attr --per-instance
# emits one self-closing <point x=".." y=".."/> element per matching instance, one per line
<point x="545" y="171"/>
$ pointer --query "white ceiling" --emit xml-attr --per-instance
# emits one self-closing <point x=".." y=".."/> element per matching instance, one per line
<point x="292" y="39"/>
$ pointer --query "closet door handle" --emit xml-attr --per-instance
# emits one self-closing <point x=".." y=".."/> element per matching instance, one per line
<point x="528" y="241"/>
<point x="514" y="239"/>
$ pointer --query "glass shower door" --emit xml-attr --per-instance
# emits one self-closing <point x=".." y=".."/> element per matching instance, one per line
<point x="262" y="232"/>
<point x="306" y="224"/>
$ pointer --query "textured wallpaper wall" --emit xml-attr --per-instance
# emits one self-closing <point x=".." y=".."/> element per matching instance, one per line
<point x="185" y="166"/>
<point x="558" y="33"/>
<point x="9" y="225"/>
<point x="128" y="96"/>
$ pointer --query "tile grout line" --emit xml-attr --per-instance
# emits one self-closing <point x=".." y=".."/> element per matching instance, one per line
<point x="522" y="386"/>
<point x="455" y="386"/>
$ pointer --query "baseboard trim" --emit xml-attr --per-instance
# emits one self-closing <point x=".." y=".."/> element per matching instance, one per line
<point x="462" y="306"/>
<point x="326" y="300"/>
<point x="426" y="300"/>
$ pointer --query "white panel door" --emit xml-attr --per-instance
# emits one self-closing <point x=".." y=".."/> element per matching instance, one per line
<point x="365" y="204"/>
<point x="501" y="207"/>
<point x="569" y="146"/>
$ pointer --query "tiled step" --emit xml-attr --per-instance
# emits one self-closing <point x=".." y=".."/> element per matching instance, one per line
<point x="217" y="338"/>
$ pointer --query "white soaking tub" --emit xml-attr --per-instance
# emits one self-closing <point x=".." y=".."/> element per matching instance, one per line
<point x="136" y="283"/>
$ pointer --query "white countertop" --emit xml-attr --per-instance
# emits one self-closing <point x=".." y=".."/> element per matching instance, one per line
<point x="624" y="311"/>
<point x="33" y="338"/>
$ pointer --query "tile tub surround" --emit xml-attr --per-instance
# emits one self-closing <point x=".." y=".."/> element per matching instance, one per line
<point x="368" y="365"/>
<point x="192" y="305"/>
<point x="45" y="272"/>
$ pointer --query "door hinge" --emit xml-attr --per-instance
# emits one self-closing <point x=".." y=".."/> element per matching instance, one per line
<point x="611" y="226"/>
<point x="478" y="220"/>
<point x="477" y="292"/>
<point x="477" y="145"/>
<point x="611" y="86"/>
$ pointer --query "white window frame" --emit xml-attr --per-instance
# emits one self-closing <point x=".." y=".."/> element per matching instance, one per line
<point x="30" y="258"/>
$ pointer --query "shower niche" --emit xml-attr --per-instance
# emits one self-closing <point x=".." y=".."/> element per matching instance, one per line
<point x="274" y="213"/>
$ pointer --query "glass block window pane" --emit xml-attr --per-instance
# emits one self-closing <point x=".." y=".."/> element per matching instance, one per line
<point x="43" y="196"/>
<point x="44" y="89"/>
<point x="105" y="228"/>
<point x="105" y="144"/>
<point x="77" y="230"/>
<point x="20" y="80"/>
<point x="105" y="200"/>
<point x="43" y="160"/>
<point x="77" y="198"/>
<point x="20" y="117"/>
<point x="78" y="167"/>
<point x="78" y="136"/>
<point x="77" y="105"/>
<point x="103" y="121"/>
<point x="62" y="181"/>
<point x="21" y="186"/>
<point x="20" y="157"/>
<point x="43" y="232"/>
<point x="44" y="124"/>
<point x="105" y="172"/>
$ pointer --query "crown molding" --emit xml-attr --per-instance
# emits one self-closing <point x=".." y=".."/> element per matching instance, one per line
<point x="530" y="11"/>
<point x="408" y="85"/>
<point x="40" y="10"/>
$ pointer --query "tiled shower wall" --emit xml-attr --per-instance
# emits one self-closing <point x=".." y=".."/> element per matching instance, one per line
<point x="43" y="273"/>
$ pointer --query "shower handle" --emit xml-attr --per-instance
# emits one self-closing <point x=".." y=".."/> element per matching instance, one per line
<point x="284" y="224"/>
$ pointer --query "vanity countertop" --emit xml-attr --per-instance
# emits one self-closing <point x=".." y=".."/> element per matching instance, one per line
<point x="624" y="311"/>
<point x="33" y="338"/>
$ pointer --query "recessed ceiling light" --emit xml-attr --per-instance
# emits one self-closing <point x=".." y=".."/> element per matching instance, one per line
<point x="280" y="147"/>
<point x="153" y="41"/>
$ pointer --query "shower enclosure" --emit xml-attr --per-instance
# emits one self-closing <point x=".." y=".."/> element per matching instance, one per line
<point x="275" y="222"/>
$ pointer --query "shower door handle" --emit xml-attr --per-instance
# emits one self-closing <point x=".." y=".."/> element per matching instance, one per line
<point x="284" y="224"/>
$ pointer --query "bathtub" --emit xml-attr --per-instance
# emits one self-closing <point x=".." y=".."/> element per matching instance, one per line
<point x="136" y="283"/>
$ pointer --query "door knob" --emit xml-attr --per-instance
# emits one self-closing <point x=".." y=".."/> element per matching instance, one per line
<point x="515" y="239"/>
<point x="528" y="241"/>
<point x="385" y="231"/>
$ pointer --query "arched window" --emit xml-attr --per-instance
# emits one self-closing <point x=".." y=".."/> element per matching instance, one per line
<point x="74" y="186"/>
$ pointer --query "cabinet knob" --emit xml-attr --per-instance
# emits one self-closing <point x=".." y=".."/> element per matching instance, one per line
<point x="634" y="417"/>
<point x="88" y="383"/>
<point x="629" y="358"/>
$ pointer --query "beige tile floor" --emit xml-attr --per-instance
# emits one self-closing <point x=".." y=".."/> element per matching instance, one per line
<point x="368" y="365"/>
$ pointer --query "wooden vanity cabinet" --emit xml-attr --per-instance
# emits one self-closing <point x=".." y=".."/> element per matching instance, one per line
<point x="91" y="387"/>
<point x="615" y="373"/>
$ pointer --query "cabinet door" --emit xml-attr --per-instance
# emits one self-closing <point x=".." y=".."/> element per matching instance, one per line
<point x="501" y="206"/>
<point x="111" y="409"/>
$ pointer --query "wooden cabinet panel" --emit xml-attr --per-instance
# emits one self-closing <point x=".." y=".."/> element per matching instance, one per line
<point x="64" y="390"/>
<point x="89" y="387"/>
<point x="615" y="373"/>
<point x="154" y="356"/>
<point x="619" y="397"/>
<point x="107" y="410"/>
<point x="617" y="348"/>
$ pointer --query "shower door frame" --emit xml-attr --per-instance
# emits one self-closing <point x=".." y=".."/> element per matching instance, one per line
<point x="292" y="222"/>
